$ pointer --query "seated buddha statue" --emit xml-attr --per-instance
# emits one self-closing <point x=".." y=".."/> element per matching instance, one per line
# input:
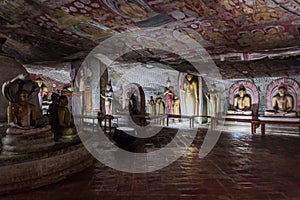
<point x="20" y="113"/>
<point x="65" y="128"/>
<point x="242" y="103"/>
<point x="282" y="103"/>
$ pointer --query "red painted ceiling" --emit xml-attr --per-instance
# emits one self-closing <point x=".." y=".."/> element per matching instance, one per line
<point x="66" y="30"/>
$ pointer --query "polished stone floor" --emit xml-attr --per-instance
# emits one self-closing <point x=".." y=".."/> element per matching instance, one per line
<point x="241" y="166"/>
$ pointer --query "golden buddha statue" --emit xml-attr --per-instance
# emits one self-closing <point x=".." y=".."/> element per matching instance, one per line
<point x="64" y="119"/>
<point x="21" y="114"/>
<point x="191" y="95"/>
<point x="242" y="103"/>
<point x="176" y="105"/>
<point x="159" y="105"/>
<point x="213" y="100"/>
<point x="282" y="103"/>
<point x="27" y="131"/>
<point x="151" y="102"/>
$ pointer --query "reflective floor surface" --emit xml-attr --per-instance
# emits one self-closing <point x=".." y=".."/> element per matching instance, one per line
<point x="241" y="166"/>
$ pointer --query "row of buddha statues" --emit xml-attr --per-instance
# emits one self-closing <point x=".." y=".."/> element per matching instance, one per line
<point x="26" y="133"/>
<point x="171" y="104"/>
<point x="24" y="126"/>
<point x="167" y="102"/>
<point x="282" y="103"/>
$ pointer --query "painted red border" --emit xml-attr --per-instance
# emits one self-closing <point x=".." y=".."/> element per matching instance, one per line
<point x="251" y="90"/>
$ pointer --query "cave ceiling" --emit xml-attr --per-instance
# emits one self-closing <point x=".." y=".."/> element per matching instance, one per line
<point x="246" y="38"/>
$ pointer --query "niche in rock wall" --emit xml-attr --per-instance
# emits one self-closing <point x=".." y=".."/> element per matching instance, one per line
<point x="134" y="99"/>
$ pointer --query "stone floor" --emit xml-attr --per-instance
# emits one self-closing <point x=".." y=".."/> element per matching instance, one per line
<point x="241" y="166"/>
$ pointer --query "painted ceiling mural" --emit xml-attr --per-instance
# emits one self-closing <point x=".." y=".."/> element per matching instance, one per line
<point x="46" y="30"/>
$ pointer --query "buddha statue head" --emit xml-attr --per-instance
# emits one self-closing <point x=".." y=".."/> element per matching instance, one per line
<point x="242" y="91"/>
<point x="282" y="90"/>
<point x="212" y="87"/>
<point x="109" y="87"/>
<point x="63" y="100"/>
<point x="189" y="77"/>
<point x="22" y="97"/>
<point x="168" y="83"/>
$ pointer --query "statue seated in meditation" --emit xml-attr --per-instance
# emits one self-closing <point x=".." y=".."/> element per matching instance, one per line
<point x="20" y="113"/>
<point x="282" y="103"/>
<point x="25" y="134"/>
<point x="242" y="103"/>
<point x="65" y="128"/>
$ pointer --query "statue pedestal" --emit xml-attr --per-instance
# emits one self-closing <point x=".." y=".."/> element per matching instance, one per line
<point x="235" y="112"/>
<point x="29" y="171"/>
<point x="18" y="141"/>
<point x="68" y="137"/>
<point x="280" y="114"/>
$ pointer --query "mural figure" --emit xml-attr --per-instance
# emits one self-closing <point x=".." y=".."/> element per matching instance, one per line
<point x="91" y="30"/>
<point x="169" y="95"/>
<point x="133" y="9"/>
<point x="108" y="96"/>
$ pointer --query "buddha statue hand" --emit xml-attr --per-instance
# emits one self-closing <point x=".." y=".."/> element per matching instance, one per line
<point x="13" y="125"/>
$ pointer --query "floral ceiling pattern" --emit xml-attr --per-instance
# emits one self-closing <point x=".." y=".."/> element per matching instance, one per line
<point x="66" y="30"/>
